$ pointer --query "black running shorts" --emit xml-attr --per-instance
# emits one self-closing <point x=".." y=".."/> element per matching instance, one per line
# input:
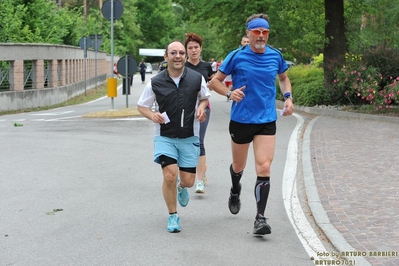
<point x="244" y="133"/>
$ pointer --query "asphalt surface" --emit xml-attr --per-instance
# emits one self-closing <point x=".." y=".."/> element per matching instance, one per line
<point x="351" y="174"/>
<point x="349" y="166"/>
<point x="85" y="191"/>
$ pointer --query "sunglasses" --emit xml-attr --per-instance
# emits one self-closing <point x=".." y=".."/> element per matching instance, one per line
<point x="259" y="32"/>
<point x="181" y="53"/>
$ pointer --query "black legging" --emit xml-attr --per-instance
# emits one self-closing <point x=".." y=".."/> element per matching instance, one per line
<point x="142" y="76"/>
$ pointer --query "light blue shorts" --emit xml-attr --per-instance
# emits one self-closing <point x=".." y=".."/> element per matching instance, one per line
<point x="184" y="151"/>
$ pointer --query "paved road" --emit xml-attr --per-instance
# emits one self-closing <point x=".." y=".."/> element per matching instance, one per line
<point x="99" y="172"/>
<point x="78" y="191"/>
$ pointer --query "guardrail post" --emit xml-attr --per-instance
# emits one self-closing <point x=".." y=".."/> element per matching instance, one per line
<point x="53" y="66"/>
<point x="16" y="72"/>
<point x="38" y="74"/>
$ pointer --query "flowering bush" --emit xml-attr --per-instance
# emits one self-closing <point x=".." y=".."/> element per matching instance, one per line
<point x="388" y="95"/>
<point x="361" y="85"/>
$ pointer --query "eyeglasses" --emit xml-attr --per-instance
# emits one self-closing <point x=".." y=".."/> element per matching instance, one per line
<point x="181" y="53"/>
<point x="259" y="32"/>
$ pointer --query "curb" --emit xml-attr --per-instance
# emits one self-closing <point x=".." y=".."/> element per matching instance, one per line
<point x="312" y="194"/>
<point x="341" y="114"/>
<point x="315" y="205"/>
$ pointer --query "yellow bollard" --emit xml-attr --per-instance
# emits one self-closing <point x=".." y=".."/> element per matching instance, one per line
<point x="112" y="87"/>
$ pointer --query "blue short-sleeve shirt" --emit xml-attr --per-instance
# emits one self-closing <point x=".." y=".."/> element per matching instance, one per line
<point x="258" y="73"/>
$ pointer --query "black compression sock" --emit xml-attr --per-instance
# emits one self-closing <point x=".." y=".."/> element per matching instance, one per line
<point x="262" y="188"/>
<point x="235" y="180"/>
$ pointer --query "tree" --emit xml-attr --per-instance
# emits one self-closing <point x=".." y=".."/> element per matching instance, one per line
<point x="297" y="26"/>
<point x="335" y="47"/>
<point x="157" y="23"/>
<point x="12" y="28"/>
<point x="39" y="21"/>
<point x="127" y="34"/>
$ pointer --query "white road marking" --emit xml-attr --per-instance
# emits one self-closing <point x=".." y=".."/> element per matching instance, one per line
<point x="53" y="114"/>
<point x="305" y="232"/>
<point x="69" y="118"/>
<point x="131" y="118"/>
<point x="63" y="118"/>
<point x="99" y="99"/>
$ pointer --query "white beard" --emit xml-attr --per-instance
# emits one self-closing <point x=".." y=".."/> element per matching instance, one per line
<point x="260" y="46"/>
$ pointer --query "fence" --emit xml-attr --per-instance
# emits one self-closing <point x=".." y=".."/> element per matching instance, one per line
<point x="34" y="75"/>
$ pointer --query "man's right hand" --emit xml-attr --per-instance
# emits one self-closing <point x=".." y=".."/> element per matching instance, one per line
<point x="158" y="118"/>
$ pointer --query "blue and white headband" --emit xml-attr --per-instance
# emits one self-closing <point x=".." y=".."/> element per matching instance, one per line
<point x="258" y="23"/>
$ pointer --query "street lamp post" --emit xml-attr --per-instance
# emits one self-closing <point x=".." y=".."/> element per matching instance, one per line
<point x="183" y="23"/>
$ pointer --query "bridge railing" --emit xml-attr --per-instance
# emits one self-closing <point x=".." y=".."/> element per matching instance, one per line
<point x="34" y="75"/>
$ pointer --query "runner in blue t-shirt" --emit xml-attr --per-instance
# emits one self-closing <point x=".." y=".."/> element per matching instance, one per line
<point x="254" y="69"/>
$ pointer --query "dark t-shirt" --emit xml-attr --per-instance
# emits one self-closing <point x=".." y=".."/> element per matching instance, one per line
<point x="202" y="67"/>
<point x="142" y="67"/>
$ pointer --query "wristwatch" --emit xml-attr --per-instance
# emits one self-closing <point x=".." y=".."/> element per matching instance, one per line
<point x="287" y="95"/>
<point x="228" y="94"/>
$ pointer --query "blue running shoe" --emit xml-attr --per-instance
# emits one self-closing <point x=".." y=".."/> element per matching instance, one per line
<point x="173" y="223"/>
<point x="182" y="196"/>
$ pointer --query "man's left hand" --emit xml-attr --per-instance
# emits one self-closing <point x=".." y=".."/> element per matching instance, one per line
<point x="201" y="115"/>
<point x="288" y="107"/>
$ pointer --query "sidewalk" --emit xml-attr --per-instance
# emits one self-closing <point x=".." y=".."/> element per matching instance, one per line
<point x="353" y="162"/>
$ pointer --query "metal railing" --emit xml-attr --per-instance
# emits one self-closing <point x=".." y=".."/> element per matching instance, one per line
<point x="42" y="67"/>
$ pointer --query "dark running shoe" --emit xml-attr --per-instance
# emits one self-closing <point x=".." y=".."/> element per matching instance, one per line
<point x="234" y="202"/>
<point x="261" y="227"/>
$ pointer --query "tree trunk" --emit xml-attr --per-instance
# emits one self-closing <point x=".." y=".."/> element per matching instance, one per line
<point x="335" y="48"/>
<point x="85" y="10"/>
